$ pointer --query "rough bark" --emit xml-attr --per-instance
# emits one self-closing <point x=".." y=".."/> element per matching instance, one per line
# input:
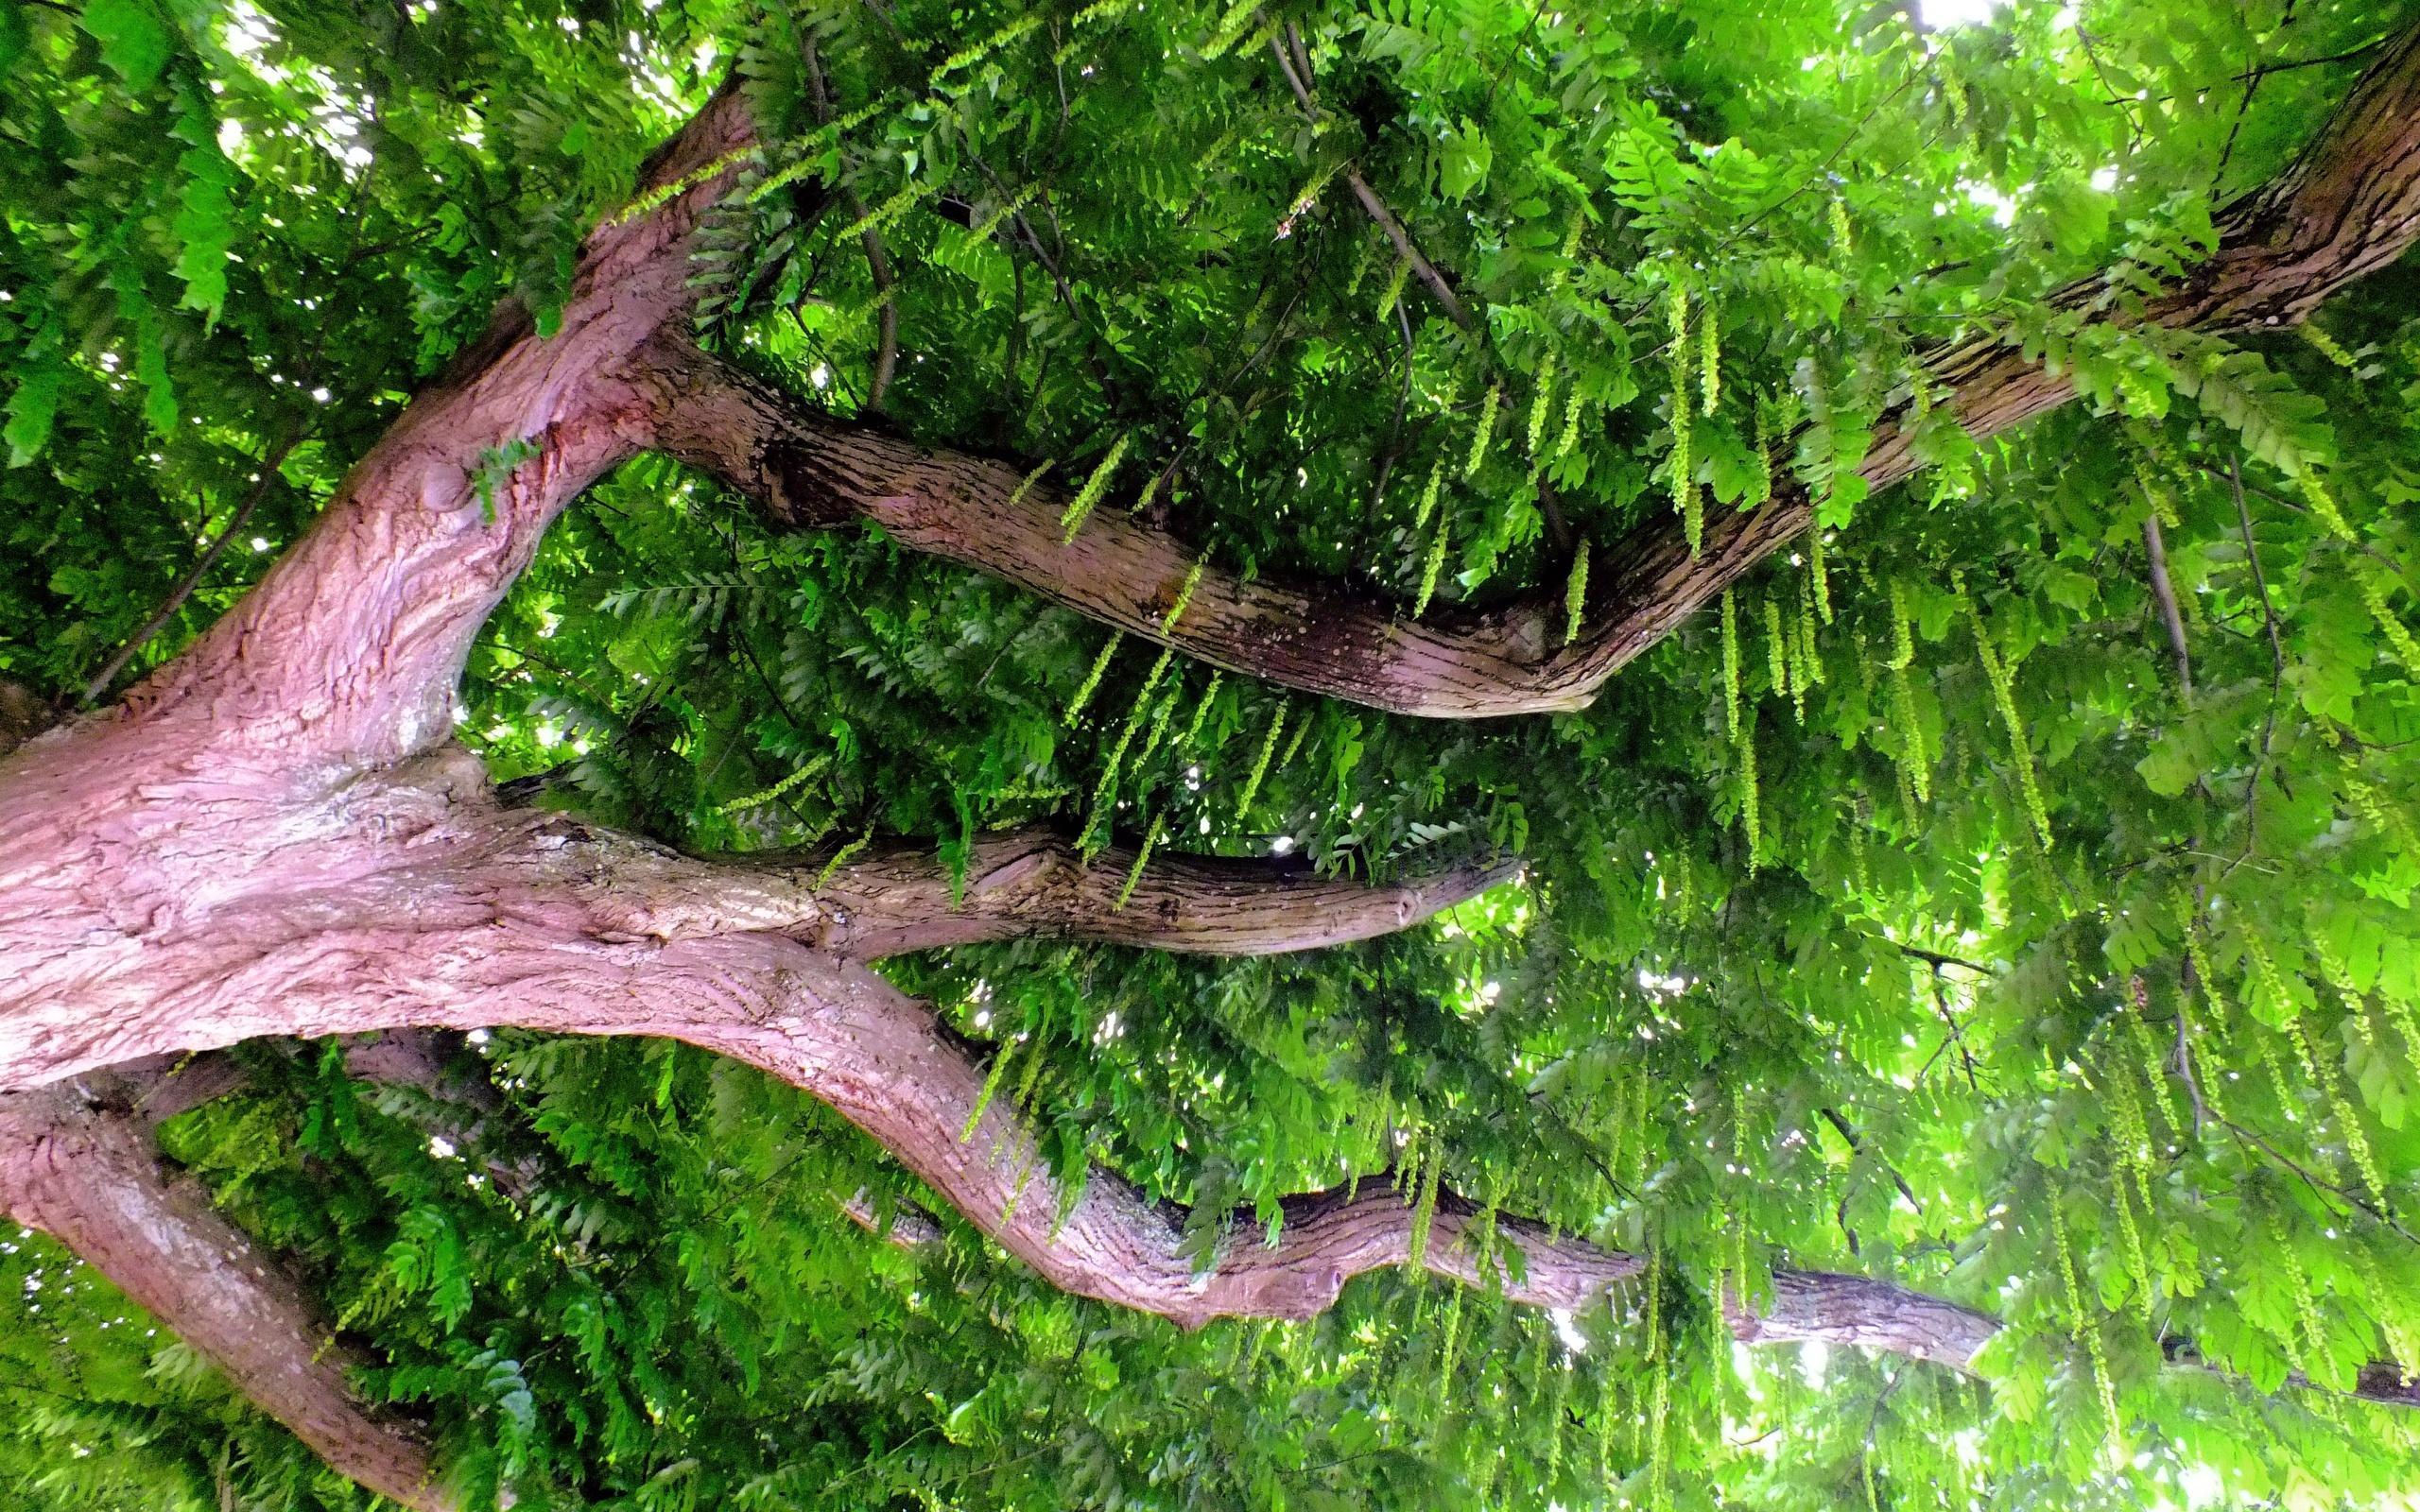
<point x="1035" y="881"/>
<point x="88" y="1178"/>
<point x="271" y="836"/>
<point x="2350" y="206"/>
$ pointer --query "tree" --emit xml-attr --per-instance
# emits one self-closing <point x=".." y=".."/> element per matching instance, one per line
<point x="588" y="605"/>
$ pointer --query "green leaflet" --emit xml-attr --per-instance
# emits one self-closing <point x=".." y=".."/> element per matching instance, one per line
<point x="133" y="39"/>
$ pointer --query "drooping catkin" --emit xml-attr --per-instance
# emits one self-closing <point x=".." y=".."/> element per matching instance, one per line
<point x="1423" y="1212"/>
<point x="1709" y="356"/>
<point x="1184" y="594"/>
<point x="1072" y="519"/>
<point x="1201" y="707"/>
<point x="1570" y="436"/>
<point x="1092" y="679"/>
<point x="1776" y="649"/>
<point x="1818" y="578"/>
<point x="1260" y="762"/>
<point x="2372" y="580"/>
<point x="1293" y="747"/>
<point x="1730" y="665"/>
<point x="1429" y="567"/>
<point x="1395" y="287"/>
<point x="2322" y="504"/>
<point x="2084" y="1325"/>
<point x="1748" y="815"/>
<point x="843" y="857"/>
<point x="1682" y="466"/>
<point x="1487" y="409"/>
<point x="1575" y="593"/>
<point x="1142" y="857"/>
<point x="991" y="1089"/>
<point x="1025" y="485"/>
<point x="1428" y="493"/>
<point x="2329" y="346"/>
<point x="2003" y="684"/>
<point x="1540" y="402"/>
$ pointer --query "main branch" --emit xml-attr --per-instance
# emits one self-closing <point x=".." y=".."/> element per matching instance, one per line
<point x="2350" y="206"/>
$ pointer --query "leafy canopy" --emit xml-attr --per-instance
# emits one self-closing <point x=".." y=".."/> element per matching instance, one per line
<point x="1874" y="922"/>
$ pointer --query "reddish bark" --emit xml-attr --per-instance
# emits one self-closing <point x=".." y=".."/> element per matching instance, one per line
<point x="273" y="835"/>
<point x="87" y="1177"/>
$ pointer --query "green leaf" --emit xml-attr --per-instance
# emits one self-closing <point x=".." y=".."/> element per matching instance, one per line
<point x="32" y="403"/>
<point x="133" y="39"/>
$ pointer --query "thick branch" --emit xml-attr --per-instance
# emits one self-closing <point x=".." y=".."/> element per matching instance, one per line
<point x="349" y="649"/>
<point x="89" y="1178"/>
<point x="533" y="923"/>
<point x="1033" y="882"/>
<point x="2349" y="207"/>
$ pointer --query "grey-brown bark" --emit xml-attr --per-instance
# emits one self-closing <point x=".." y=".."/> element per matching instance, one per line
<point x="2348" y="207"/>
<point x="87" y="1176"/>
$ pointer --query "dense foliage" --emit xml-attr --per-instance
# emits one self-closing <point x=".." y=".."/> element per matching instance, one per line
<point x="1921" y="911"/>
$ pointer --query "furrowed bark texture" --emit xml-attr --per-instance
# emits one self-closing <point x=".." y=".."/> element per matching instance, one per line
<point x="2350" y="206"/>
<point x="88" y="1178"/>
<point x="273" y="834"/>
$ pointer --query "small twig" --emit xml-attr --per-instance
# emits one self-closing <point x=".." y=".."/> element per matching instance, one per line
<point x="1936" y="959"/>
<point x="2163" y="594"/>
<point x="192" y="579"/>
<point x="1426" y="270"/>
<point x="1965" y="1056"/>
<point x="2276" y="651"/>
<point x="1402" y="238"/>
<point x="2321" y="1189"/>
<point x="1856" y="1147"/>
<point x="885" y="357"/>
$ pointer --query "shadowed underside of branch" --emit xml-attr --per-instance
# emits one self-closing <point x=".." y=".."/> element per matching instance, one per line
<point x="2350" y="206"/>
